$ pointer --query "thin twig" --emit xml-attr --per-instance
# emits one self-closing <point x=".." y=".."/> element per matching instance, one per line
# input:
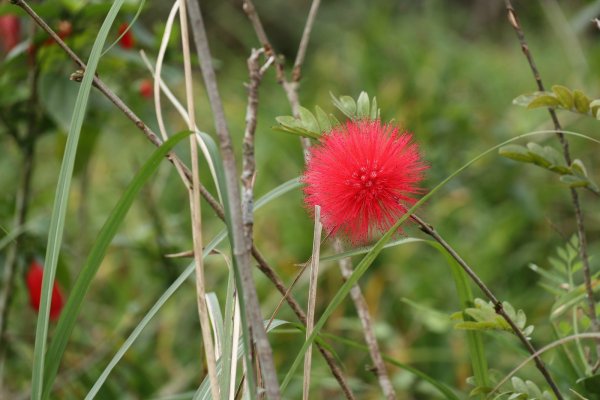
<point x="195" y="210"/>
<point x="241" y="247"/>
<point x="514" y="21"/>
<point x="310" y="20"/>
<point x="498" y="307"/>
<point x="248" y="160"/>
<point x="185" y="175"/>
<point x="367" y="325"/>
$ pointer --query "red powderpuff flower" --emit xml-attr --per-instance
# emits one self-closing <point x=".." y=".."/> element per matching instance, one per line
<point x="127" y="41"/>
<point x="362" y="175"/>
<point x="146" y="88"/>
<point x="10" y="32"/>
<point x="34" y="284"/>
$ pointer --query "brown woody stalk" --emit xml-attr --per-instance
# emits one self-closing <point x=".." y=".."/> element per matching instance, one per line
<point x="583" y="254"/>
<point x="498" y="307"/>
<point x="241" y="247"/>
<point x="185" y="175"/>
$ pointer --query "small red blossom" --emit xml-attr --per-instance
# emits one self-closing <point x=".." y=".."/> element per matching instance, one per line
<point x="10" y="32"/>
<point x="363" y="174"/>
<point x="146" y="88"/>
<point x="127" y="41"/>
<point x="34" y="279"/>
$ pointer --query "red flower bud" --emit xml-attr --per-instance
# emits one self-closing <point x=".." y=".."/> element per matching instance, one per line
<point x="127" y="41"/>
<point x="10" y="32"/>
<point x="146" y="88"/>
<point x="34" y="284"/>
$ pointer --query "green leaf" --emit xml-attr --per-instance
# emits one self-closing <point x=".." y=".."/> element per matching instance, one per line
<point x="289" y="124"/>
<point x="68" y="316"/>
<point x="324" y="122"/>
<point x="309" y="122"/>
<point x="345" y="104"/>
<point x="516" y="152"/>
<point x="565" y="96"/>
<point x="582" y="102"/>
<point x="297" y="131"/>
<point x="518" y="385"/>
<point x="362" y="106"/>
<point x="57" y="222"/>
<point x="537" y="153"/>
<point x="544" y="100"/>
<point x="525" y="100"/>
<point x="595" y="106"/>
<point x="578" y="168"/>
<point x="374" y="109"/>
<point x="574" y="181"/>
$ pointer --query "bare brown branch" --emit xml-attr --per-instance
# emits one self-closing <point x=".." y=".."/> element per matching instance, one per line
<point x="583" y="254"/>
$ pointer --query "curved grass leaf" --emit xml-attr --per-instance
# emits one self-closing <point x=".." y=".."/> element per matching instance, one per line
<point x="366" y="262"/>
<point x="59" y="210"/>
<point x="69" y="314"/>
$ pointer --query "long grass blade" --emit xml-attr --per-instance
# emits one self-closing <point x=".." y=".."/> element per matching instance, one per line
<point x="312" y="298"/>
<point x="59" y="211"/>
<point x="69" y="314"/>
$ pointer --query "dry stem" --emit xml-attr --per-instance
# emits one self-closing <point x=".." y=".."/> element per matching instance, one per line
<point x="196" y="212"/>
<point x="241" y="246"/>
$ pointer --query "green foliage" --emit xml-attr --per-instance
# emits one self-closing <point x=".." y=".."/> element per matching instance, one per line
<point x="483" y="317"/>
<point x="561" y="97"/>
<point x="574" y="175"/>
<point x="521" y="390"/>
<point x="313" y="125"/>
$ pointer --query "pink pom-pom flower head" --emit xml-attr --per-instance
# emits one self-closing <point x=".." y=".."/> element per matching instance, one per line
<point x="363" y="175"/>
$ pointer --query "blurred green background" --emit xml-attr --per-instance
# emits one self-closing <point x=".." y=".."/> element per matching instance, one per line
<point x="445" y="70"/>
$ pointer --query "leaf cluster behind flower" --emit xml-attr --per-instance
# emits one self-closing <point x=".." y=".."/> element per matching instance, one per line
<point x="313" y="125"/>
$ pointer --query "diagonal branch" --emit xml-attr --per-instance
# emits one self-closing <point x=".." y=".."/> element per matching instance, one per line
<point x="583" y="254"/>
<point x="498" y="307"/>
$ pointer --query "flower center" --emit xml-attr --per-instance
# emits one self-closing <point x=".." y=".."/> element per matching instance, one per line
<point x="366" y="181"/>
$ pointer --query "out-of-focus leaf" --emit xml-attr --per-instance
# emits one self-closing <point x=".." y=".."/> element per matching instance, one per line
<point x="565" y="95"/>
<point x="582" y="102"/>
<point x="324" y="122"/>
<point x="515" y="152"/>
<point x="545" y="100"/>
<point x="309" y="122"/>
<point x="362" y="105"/>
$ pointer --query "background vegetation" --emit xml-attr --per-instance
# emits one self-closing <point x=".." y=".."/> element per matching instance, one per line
<point x="447" y="71"/>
